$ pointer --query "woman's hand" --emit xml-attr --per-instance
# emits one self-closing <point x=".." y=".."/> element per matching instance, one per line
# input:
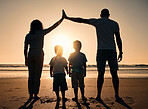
<point x="26" y="62"/>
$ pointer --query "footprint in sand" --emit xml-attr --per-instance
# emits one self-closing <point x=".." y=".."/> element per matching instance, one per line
<point x="16" y="88"/>
<point x="92" y="100"/>
<point x="98" y="105"/>
<point x="46" y="99"/>
<point x="129" y="100"/>
<point x="8" y="90"/>
<point x="109" y="100"/>
<point x="4" y="108"/>
<point x="15" y="99"/>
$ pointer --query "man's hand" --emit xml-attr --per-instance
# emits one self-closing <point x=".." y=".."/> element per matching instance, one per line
<point x="120" y="56"/>
<point x="64" y="14"/>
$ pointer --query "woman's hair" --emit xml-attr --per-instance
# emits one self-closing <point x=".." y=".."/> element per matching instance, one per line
<point x="35" y="25"/>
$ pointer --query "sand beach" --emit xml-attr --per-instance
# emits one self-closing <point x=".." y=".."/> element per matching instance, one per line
<point x="14" y="94"/>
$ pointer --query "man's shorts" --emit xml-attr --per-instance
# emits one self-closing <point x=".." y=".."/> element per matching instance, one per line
<point x="59" y="81"/>
<point x="77" y="79"/>
<point x="107" y="55"/>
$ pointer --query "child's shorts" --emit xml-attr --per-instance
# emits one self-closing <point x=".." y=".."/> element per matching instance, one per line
<point x="59" y="82"/>
<point x="77" y="79"/>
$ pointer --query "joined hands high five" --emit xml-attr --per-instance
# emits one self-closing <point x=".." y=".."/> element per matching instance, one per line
<point x="64" y="14"/>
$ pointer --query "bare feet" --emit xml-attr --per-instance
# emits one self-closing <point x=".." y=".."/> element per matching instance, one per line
<point x="75" y="99"/>
<point x="36" y="97"/>
<point x="84" y="98"/>
<point x="118" y="99"/>
<point x="99" y="99"/>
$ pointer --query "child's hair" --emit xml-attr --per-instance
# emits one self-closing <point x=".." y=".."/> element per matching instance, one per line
<point x="58" y="50"/>
<point x="77" y="45"/>
<point x="36" y="25"/>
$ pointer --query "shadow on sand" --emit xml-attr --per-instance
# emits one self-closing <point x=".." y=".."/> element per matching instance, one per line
<point x="30" y="106"/>
<point x="122" y="102"/>
<point x="63" y="105"/>
<point x="79" y="105"/>
<point x="102" y="102"/>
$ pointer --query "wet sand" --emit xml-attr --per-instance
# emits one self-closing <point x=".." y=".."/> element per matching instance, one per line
<point x="14" y="94"/>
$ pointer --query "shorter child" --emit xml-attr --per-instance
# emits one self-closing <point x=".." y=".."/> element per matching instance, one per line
<point x="58" y="65"/>
<point x="77" y="69"/>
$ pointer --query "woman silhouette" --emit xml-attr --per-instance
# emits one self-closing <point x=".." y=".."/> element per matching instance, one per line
<point x="34" y="58"/>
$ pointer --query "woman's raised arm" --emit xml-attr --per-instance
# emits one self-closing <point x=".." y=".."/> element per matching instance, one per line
<point x="53" y="26"/>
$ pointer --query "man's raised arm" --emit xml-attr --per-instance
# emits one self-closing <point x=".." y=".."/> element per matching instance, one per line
<point x="78" y="20"/>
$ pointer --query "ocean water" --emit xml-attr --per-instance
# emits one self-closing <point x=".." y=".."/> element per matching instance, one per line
<point x="125" y="71"/>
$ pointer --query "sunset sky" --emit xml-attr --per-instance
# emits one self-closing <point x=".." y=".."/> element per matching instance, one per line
<point x="16" y="16"/>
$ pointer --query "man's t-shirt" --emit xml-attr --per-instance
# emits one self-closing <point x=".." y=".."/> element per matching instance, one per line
<point x="58" y="64"/>
<point x="77" y="60"/>
<point x="105" y="29"/>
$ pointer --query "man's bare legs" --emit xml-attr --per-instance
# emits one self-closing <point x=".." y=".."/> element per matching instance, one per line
<point x="100" y="82"/>
<point x="115" y="81"/>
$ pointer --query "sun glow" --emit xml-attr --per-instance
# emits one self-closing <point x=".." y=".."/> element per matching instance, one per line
<point x="65" y="42"/>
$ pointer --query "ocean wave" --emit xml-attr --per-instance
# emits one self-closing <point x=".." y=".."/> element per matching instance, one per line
<point x="87" y="70"/>
<point x="89" y="66"/>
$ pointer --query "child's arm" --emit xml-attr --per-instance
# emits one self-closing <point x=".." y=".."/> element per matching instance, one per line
<point x="51" y="71"/>
<point x="66" y="68"/>
<point x="84" y="69"/>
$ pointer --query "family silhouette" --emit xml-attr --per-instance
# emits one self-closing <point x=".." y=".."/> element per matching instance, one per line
<point x="106" y="29"/>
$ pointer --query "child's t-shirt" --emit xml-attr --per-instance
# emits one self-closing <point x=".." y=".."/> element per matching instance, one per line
<point x="58" y="64"/>
<point x="77" y="60"/>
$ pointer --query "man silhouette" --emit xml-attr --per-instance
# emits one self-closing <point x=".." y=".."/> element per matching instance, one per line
<point x="106" y="51"/>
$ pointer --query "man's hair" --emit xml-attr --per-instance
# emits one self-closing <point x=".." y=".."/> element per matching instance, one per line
<point x="58" y="49"/>
<point x="105" y="13"/>
<point x="77" y="44"/>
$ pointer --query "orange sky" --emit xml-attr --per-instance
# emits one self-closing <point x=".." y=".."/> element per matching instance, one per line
<point x="16" y="16"/>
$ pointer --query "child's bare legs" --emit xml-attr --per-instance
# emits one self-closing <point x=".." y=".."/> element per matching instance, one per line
<point x="30" y="96"/>
<point x="57" y="94"/>
<point x="76" y="94"/>
<point x="63" y="98"/>
<point x="82" y="93"/>
<point x="63" y="95"/>
<point x="36" y="97"/>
